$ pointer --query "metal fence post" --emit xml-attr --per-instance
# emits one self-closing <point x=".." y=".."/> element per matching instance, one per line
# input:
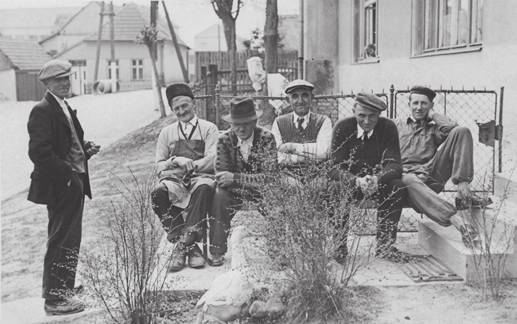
<point x="217" y="96"/>
<point x="392" y="99"/>
<point x="499" y="130"/>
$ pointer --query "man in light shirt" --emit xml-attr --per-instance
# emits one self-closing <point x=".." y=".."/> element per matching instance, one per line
<point x="60" y="180"/>
<point x="185" y="154"/>
<point x="302" y="137"/>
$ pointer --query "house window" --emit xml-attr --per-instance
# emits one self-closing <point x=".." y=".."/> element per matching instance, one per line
<point x="365" y="30"/>
<point x="447" y="25"/>
<point x="137" y="69"/>
<point x="116" y="70"/>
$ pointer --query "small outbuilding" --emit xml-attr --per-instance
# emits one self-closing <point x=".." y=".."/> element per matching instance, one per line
<point x="20" y="62"/>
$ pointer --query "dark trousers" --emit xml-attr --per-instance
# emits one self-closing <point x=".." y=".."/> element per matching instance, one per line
<point x="391" y="199"/>
<point x="171" y="216"/>
<point x="64" y="238"/>
<point x="225" y="205"/>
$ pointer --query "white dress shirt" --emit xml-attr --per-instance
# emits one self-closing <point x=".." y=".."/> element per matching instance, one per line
<point x="245" y="147"/>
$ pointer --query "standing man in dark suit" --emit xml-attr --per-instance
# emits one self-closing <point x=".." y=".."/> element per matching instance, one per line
<point x="366" y="154"/>
<point x="60" y="181"/>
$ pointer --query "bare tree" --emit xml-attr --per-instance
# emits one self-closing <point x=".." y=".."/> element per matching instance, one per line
<point x="228" y="14"/>
<point x="271" y="37"/>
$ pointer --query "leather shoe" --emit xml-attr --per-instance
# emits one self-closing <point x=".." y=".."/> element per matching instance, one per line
<point x="178" y="258"/>
<point x="216" y="260"/>
<point x="469" y="236"/>
<point x="195" y="257"/>
<point x="473" y="201"/>
<point x="62" y="307"/>
<point x="394" y="255"/>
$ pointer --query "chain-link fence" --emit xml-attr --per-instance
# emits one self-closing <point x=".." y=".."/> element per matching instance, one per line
<point x="468" y="108"/>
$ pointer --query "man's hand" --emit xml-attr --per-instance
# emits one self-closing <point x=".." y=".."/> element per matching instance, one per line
<point x="183" y="162"/>
<point x="368" y="185"/>
<point x="224" y="179"/>
<point x="92" y="148"/>
<point x="430" y="114"/>
<point x="287" y="148"/>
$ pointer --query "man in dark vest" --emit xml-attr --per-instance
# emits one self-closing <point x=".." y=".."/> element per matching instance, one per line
<point x="366" y="154"/>
<point x="185" y="154"/>
<point x="302" y="136"/>
<point x="245" y="154"/>
<point x="60" y="181"/>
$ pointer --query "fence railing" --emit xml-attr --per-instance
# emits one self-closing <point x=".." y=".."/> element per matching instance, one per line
<point x="471" y="108"/>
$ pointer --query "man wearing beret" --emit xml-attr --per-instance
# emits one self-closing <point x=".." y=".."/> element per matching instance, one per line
<point x="185" y="154"/>
<point x="427" y="169"/>
<point x="302" y="137"/>
<point x="245" y="153"/>
<point x="60" y="180"/>
<point x="366" y="156"/>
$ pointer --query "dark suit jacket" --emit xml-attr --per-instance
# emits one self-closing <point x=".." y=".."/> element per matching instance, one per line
<point x="50" y="139"/>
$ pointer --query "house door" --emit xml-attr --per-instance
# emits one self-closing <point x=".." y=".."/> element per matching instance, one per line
<point x="78" y="79"/>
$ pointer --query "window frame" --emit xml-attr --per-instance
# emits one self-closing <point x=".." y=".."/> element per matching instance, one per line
<point x="365" y="27"/>
<point x="430" y="27"/>
<point x="117" y="71"/>
<point x="138" y="66"/>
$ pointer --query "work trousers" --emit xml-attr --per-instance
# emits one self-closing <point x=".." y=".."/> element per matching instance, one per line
<point x="390" y="198"/>
<point x="64" y="238"/>
<point x="189" y="224"/>
<point x="224" y="207"/>
<point x="454" y="161"/>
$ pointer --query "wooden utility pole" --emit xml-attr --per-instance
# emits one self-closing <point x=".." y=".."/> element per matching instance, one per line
<point x="113" y="64"/>
<point x="99" y="37"/>
<point x="176" y="45"/>
<point x="152" y="45"/>
<point x="271" y="37"/>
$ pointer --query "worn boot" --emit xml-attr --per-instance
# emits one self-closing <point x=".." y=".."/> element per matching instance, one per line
<point x="386" y="237"/>
<point x="178" y="257"/>
<point x="195" y="257"/>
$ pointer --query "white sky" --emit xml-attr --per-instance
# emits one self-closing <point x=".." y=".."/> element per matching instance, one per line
<point x="193" y="16"/>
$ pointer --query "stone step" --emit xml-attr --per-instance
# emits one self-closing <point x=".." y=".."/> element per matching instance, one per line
<point x="498" y="233"/>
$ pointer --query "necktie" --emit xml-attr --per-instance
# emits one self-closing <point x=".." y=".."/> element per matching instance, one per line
<point x="418" y="124"/>
<point x="300" y="122"/>
<point x="365" y="136"/>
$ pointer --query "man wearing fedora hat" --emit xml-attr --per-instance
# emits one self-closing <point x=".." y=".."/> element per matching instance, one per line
<point x="366" y="154"/>
<point x="427" y="169"/>
<point x="59" y="180"/>
<point x="185" y="154"/>
<point x="302" y="136"/>
<point x="243" y="153"/>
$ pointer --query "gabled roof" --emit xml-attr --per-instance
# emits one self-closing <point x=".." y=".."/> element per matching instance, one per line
<point x="129" y="21"/>
<point x="23" y="54"/>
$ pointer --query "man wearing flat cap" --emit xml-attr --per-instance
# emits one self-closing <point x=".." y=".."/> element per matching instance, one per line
<point x="60" y="180"/>
<point x="245" y="153"/>
<point x="366" y="156"/>
<point x="185" y="154"/>
<point x="427" y="169"/>
<point x="302" y="136"/>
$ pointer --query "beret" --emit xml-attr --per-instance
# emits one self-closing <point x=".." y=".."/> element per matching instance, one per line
<point x="370" y="100"/>
<point x="178" y="89"/>
<point x="297" y="84"/>
<point x="424" y="91"/>
<point x="55" y="69"/>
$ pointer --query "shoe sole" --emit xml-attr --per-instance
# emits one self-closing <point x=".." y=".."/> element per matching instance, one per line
<point x="50" y="313"/>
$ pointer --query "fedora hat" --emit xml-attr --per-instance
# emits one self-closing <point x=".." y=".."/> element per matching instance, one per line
<point x="242" y="110"/>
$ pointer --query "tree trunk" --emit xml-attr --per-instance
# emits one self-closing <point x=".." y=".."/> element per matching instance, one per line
<point x="271" y="37"/>
<point x="231" y="45"/>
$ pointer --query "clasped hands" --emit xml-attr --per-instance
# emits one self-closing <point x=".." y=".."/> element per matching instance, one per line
<point x="184" y="163"/>
<point x="224" y="179"/>
<point x="368" y="184"/>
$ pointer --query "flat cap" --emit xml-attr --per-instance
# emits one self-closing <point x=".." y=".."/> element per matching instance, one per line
<point x="370" y="100"/>
<point x="55" y="69"/>
<point x="424" y="91"/>
<point x="178" y="89"/>
<point x="297" y="84"/>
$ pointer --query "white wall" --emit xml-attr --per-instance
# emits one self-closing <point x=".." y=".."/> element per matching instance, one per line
<point x="8" y="84"/>
<point x="493" y="67"/>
